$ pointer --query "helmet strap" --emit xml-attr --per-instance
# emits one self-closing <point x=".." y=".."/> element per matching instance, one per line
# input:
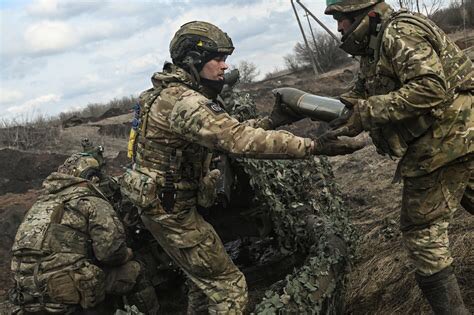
<point x="189" y="65"/>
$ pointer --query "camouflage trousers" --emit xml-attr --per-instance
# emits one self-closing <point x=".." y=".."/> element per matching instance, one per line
<point x="428" y="205"/>
<point x="218" y="286"/>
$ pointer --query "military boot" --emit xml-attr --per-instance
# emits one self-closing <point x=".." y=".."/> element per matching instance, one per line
<point x="442" y="292"/>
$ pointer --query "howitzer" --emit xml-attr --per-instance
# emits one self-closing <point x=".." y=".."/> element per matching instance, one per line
<point x="309" y="105"/>
<point x="232" y="77"/>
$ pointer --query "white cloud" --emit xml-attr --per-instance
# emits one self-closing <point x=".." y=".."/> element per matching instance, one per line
<point x="9" y="95"/>
<point x="62" y="8"/>
<point x="43" y="7"/>
<point x="143" y="63"/>
<point x="50" y="36"/>
<point x="33" y="104"/>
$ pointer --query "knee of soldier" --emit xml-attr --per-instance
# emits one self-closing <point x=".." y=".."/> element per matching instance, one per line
<point x="123" y="278"/>
<point x="428" y="249"/>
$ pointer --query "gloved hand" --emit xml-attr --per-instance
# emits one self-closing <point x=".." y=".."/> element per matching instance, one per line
<point x="282" y="114"/>
<point x="129" y="255"/>
<point x="336" y="146"/>
<point x="207" y="193"/>
<point x="349" y="124"/>
<point x="348" y="100"/>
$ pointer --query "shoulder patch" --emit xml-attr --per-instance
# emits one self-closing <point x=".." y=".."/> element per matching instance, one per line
<point x="214" y="107"/>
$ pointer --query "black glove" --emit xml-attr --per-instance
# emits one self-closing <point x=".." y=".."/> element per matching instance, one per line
<point x="282" y="114"/>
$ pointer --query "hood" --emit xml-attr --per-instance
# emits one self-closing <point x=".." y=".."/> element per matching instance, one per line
<point x="56" y="182"/>
<point x="171" y="74"/>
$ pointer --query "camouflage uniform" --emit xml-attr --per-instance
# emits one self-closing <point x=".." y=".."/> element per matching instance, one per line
<point x="413" y="95"/>
<point x="181" y="122"/>
<point x="416" y="92"/>
<point x="70" y="249"/>
<point x="187" y="123"/>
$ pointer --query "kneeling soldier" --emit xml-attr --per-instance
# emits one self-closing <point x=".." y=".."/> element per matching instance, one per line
<point x="70" y="250"/>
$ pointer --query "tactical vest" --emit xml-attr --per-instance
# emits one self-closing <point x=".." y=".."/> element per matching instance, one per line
<point x="41" y="233"/>
<point x="161" y="153"/>
<point x="379" y="79"/>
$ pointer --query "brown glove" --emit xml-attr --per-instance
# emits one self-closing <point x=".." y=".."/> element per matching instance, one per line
<point x="281" y="114"/>
<point x="338" y="146"/>
<point x="349" y="124"/>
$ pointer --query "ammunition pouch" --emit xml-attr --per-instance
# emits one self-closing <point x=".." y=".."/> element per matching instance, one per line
<point x="20" y="298"/>
<point x="84" y="286"/>
<point x="141" y="189"/>
<point x="61" y="288"/>
<point x="90" y="282"/>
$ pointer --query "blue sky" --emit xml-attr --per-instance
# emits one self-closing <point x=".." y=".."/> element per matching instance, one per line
<point x="60" y="55"/>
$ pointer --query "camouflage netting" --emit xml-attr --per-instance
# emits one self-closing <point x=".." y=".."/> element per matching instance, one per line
<point x="308" y="218"/>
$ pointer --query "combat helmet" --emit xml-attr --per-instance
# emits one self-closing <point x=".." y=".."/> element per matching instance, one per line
<point x="197" y="42"/>
<point x="86" y="164"/>
<point x="364" y="17"/>
<point x="346" y="6"/>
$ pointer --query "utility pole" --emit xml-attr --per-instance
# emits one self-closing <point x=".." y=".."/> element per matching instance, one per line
<point x="313" y="64"/>
<point x="314" y="43"/>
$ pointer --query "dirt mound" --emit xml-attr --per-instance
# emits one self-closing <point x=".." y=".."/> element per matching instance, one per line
<point x="20" y="171"/>
<point x="112" y="112"/>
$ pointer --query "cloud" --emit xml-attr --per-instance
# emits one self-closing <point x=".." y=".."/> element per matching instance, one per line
<point x="61" y="8"/>
<point x="9" y="95"/>
<point x="143" y="63"/>
<point x="50" y="37"/>
<point x="34" y="104"/>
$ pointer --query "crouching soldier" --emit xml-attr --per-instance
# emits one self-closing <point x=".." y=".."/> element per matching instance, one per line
<point x="70" y="249"/>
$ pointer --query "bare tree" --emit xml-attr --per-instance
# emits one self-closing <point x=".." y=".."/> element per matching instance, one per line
<point x="326" y="51"/>
<point x="292" y="63"/>
<point x="427" y="7"/>
<point x="248" y="71"/>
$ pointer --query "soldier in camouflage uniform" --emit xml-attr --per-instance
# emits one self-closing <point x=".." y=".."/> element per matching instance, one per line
<point x="70" y="250"/>
<point x="181" y="122"/>
<point x="413" y="95"/>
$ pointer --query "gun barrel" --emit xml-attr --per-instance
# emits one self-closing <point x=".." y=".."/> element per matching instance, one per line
<point x="313" y="106"/>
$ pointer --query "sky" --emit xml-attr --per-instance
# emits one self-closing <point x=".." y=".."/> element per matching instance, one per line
<point x="60" y="55"/>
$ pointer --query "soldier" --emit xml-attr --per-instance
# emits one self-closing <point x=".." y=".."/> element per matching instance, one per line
<point x="70" y="250"/>
<point x="413" y="95"/>
<point x="181" y="121"/>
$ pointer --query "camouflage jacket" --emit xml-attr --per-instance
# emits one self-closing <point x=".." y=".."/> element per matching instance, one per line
<point x="68" y="225"/>
<point x="415" y="94"/>
<point x="181" y="124"/>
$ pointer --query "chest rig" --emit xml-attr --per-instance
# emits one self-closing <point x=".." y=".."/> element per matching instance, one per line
<point x="174" y="163"/>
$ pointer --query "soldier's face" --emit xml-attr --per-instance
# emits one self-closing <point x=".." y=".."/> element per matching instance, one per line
<point x="214" y="69"/>
<point x="343" y="23"/>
